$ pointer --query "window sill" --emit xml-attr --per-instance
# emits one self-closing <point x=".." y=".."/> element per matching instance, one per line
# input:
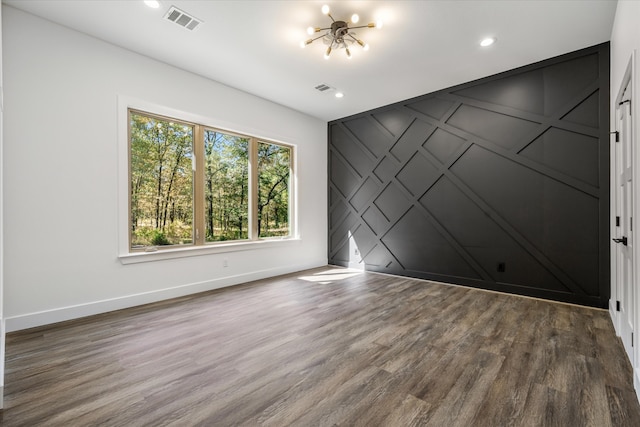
<point x="191" y="251"/>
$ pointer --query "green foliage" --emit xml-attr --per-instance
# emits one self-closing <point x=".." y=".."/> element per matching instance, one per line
<point x="162" y="184"/>
<point x="161" y="181"/>
<point x="226" y="186"/>
<point x="274" y="163"/>
<point x="159" y="238"/>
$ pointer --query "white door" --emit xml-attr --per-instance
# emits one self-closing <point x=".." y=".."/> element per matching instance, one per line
<point x="624" y="221"/>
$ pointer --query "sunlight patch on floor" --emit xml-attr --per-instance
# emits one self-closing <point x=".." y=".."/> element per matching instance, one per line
<point x="331" y="275"/>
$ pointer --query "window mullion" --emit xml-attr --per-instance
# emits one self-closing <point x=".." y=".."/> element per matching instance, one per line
<point x="198" y="187"/>
<point x="253" y="189"/>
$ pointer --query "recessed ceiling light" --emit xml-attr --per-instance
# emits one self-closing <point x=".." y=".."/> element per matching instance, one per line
<point x="339" y="94"/>
<point x="154" y="4"/>
<point x="488" y="41"/>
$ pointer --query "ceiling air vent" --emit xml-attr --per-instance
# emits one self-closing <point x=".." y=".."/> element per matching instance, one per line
<point x="181" y="18"/>
<point x="323" y="87"/>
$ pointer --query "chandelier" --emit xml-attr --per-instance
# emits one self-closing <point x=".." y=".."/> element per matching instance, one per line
<point x="339" y="35"/>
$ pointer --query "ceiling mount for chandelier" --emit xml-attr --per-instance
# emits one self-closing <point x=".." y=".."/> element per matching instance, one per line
<point x="339" y="35"/>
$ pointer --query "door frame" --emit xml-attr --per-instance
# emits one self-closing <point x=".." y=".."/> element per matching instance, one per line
<point x="630" y="78"/>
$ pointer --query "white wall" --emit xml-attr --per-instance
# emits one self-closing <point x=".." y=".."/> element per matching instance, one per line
<point x="625" y="39"/>
<point x="60" y="175"/>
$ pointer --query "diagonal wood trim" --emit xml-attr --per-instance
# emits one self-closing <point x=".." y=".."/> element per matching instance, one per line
<point x="430" y="136"/>
<point x="508" y="154"/>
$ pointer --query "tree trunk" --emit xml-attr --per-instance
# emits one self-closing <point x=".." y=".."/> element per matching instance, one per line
<point x="242" y="196"/>
<point x="210" y="204"/>
<point x="165" y="206"/>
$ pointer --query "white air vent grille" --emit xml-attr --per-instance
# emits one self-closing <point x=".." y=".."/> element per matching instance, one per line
<point x="181" y="18"/>
<point x="323" y="87"/>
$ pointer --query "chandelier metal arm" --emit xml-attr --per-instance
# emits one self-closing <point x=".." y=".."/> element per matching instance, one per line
<point x="371" y="25"/>
<point x="316" y="38"/>
<point x="351" y="35"/>
<point x="355" y="39"/>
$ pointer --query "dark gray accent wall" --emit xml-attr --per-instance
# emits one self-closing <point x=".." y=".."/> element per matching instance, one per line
<point x="501" y="183"/>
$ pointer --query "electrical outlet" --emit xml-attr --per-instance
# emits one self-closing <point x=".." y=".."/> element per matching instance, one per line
<point x="356" y="252"/>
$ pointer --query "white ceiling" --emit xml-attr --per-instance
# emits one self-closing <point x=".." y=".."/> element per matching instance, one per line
<point x="423" y="46"/>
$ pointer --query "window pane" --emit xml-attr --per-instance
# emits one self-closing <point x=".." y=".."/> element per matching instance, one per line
<point x="161" y="182"/>
<point x="274" y="166"/>
<point x="226" y="186"/>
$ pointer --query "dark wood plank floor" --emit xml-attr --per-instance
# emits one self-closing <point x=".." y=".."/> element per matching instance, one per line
<point x="319" y="348"/>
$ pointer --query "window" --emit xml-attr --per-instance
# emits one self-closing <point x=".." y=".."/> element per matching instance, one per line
<point x="226" y="186"/>
<point x="273" y="189"/>
<point x="161" y="181"/>
<point x="191" y="184"/>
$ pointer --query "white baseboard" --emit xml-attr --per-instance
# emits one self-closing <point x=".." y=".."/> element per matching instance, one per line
<point x="615" y="319"/>
<point x="32" y="320"/>
<point x="636" y="383"/>
<point x="613" y="314"/>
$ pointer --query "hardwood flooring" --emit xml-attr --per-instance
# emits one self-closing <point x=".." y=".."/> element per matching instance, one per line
<point x="324" y="348"/>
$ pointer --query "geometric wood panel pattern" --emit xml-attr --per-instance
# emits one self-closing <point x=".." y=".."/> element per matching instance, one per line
<point x="501" y="183"/>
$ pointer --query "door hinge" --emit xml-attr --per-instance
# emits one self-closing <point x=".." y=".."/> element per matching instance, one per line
<point x="617" y="221"/>
<point x="617" y="305"/>
<point x="617" y="134"/>
<point x="631" y="339"/>
<point x="630" y="223"/>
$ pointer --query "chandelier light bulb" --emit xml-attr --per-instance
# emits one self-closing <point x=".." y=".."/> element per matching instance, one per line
<point x="325" y="9"/>
<point x="379" y="23"/>
<point x="311" y="30"/>
<point x="363" y="44"/>
<point x="355" y="18"/>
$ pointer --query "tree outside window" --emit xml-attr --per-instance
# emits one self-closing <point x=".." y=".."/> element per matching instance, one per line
<point x="226" y="186"/>
<point x="273" y="189"/>
<point x="194" y="185"/>
<point x="161" y="182"/>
